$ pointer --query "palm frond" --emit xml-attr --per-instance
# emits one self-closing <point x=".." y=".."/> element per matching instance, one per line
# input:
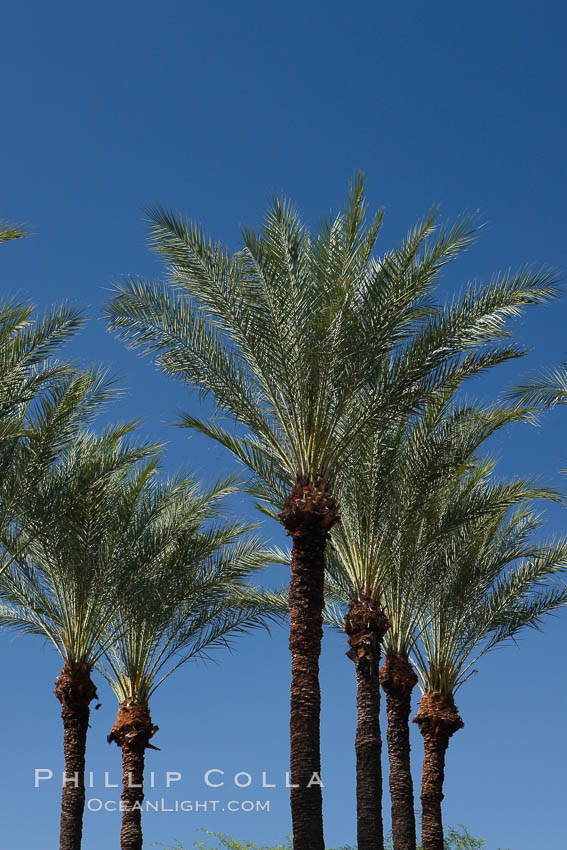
<point x="11" y="231"/>
<point x="544" y="390"/>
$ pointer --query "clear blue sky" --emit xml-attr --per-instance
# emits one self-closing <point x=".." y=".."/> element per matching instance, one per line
<point x="210" y="108"/>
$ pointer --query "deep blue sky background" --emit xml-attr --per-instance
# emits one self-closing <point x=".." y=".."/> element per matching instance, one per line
<point x="210" y="108"/>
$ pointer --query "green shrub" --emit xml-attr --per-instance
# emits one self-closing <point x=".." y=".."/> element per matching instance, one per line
<point x="227" y="843"/>
<point x="455" y="839"/>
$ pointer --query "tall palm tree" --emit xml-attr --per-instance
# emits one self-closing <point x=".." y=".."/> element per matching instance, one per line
<point x="446" y="514"/>
<point x="71" y="547"/>
<point x="380" y="553"/>
<point x="495" y="581"/>
<point x="305" y="341"/>
<point x="190" y="597"/>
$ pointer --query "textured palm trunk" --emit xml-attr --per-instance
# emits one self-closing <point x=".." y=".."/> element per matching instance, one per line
<point x="132" y="732"/>
<point x="74" y="689"/>
<point x="366" y="625"/>
<point x="308" y="514"/>
<point x="438" y="719"/>
<point x="398" y="680"/>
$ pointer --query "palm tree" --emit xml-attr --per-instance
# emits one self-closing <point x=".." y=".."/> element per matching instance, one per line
<point x="381" y="552"/>
<point x="306" y="341"/>
<point x="495" y="581"/>
<point x="71" y="547"/>
<point x="190" y="597"/>
<point x="446" y="513"/>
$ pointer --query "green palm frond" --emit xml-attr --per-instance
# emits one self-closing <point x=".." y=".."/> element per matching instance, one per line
<point x="11" y="231"/>
<point x="544" y="390"/>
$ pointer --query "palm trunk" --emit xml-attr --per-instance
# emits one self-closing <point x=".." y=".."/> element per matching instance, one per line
<point x="398" y="679"/>
<point x="74" y="689"/>
<point x="366" y="624"/>
<point x="132" y="732"/>
<point x="308" y="514"/>
<point x="438" y="719"/>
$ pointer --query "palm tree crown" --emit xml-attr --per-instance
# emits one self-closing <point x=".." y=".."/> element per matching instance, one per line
<point x="191" y="590"/>
<point x="307" y="340"/>
<point x="72" y="542"/>
<point x="495" y="582"/>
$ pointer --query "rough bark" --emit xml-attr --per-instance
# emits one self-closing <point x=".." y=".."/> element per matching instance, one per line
<point x="438" y="719"/>
<point x="365" y="625"/>
<point x="309" y="512"/>
<point x="132" y="732"/>
<point x="74" y="690"/>
<point x="398" y="679"/>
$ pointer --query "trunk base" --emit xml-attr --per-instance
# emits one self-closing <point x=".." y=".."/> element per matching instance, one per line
<point x="74" y="689"/>
<point x="310" y="506"/>
<point x="397" y="676"/>
<point x="365" y="624"/>
<point x="133" y="726"/>
<point x="438" y="715"/>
